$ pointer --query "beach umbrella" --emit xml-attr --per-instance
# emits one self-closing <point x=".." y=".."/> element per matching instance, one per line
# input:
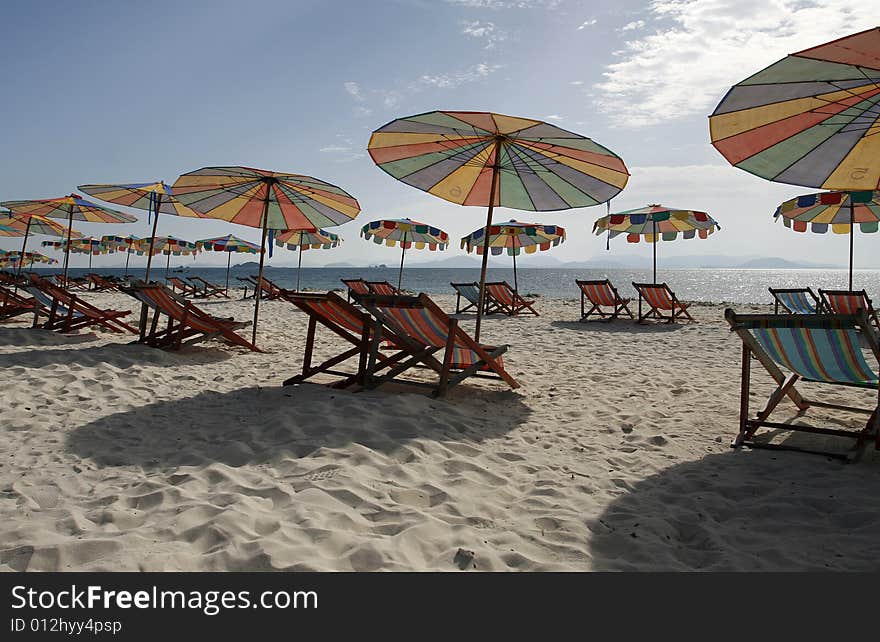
<point x="229" y="244"/>
<point x="267" y="200"/>
<point x="656" y="223"/>
<point x="169" y="246"/>
<point x="86" y="245"/>
<point x="491" y="160"/>
<point x="9" y="259"/>
<point x="514" y="237"/>
<point x="72" y="207"/>
<point x="306" y="240"/>
<point x="127" y="244"/>
<point x="809" y="119"/>
<point x="838" y="211"/>
<point x="27" y="224"/>
<point x="408" y="234"/>
<point x="155" y="197"/>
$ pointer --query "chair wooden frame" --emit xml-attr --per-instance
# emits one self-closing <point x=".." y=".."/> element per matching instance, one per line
<point x="666" y="301"/>
<point x="500" y="297"/>
<point x="177" y="284"/>
<point x="208" y="289"/>
<point x="609" y="298"/>
<point x="100" y="283"/>
<point x="785" y="385"/>
<point x="779" y="300"/>
<point x="832" y="299"/>
<point x="461" y="292"/>
<point x="67" y="312"/>
<point x="13" y="304"/>
<point x="355" y="288"/>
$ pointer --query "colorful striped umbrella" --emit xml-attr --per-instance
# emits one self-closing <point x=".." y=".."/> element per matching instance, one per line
<point x="169" y="246"/>
<point x="86" y="245"/>
<point x="264" y="199"/>
<point x="27" y="224"/>
<point x="228" y="244"/>
<point x="408" y="234"/>
<point x="491" y="160"/>
<point x="809" y="119"/>
<point x="72" y="207"/>
<point x="127" y="244"/>
<point x="841" y="211"/>
<point x="9" y="259"/>
<point x="306" y="240"/>
<point x="656" y="223"/>
<point x="156" y="197"/>
<point x="513" y="237"/>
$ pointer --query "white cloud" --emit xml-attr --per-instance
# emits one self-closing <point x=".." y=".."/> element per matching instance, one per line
<point x="576" y="82"/>
<point x="454" y="79"/>
<point x="633" y="26"/>
<point x="343" y="151"/>
<point x="354" y="90"/>
<point x="701" y="47"/>
<point x="553" y="117"/>
<point x="486" y="31"/>
<point x="587" y="23"/>
<point x="504" y="4"/>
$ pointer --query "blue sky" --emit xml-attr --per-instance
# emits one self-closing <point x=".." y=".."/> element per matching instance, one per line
<point x="103" y="92"/>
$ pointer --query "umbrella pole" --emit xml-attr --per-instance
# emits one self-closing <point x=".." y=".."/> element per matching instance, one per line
<point x="23" y="246"/>
<point x="402" y="255"/>
<point x="127" y="256"/>
<point x="67" y="247"/>
<point x="486" y="247"/>
<point x="515" y="286"/>
<point x="152" y="241"/>
<point x="299" y="263"/>
<point x="257" y="297"/>
<point x="167" y="265"/>
<point x="852" y="233"/>
<point x="228" y="263"/>
<point x="654" y="229"/>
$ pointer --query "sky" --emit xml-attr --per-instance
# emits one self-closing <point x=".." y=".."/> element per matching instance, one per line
<point x="104" y="92"/>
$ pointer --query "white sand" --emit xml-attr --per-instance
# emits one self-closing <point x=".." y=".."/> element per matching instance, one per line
<point x="613" y="455"/>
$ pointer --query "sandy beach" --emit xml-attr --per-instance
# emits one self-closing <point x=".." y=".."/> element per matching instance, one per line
<point x="613" y="455"/>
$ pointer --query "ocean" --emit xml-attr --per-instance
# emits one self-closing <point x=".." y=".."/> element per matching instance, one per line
<point x="712" y="285"/>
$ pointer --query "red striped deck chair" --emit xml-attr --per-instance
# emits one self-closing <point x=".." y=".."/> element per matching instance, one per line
<point x="100" y="283"/>
<point x="13" y="304"/>
<point x="602" y="294"/>
<point x="500" y="297"/>
<point x="383" y="288"/>
<point x="816" y="348"/>
<point x="660" y="298"/>
<point x="795" y="301"/>
<point x="347" y="322"/>
<point x="356" y="288"/>
<point x="432" y="339"/>
<point x="179" y="285"/>
<point x="849" y="302"/>
<point x="470" y="292"/>
<point x="208" y="289"/>
<point x="186" y="324"/>
<point x="67" y="312"/>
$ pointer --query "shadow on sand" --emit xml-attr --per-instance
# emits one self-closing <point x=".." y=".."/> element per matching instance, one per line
<point x="618" y="325"/>
<point x="257" y="425"/>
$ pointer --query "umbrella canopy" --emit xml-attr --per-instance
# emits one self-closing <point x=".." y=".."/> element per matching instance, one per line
<point x="155" y="197"/>
<point x="169" y="246"/>
<point x="408" y="234"/>
<point x="9" y="259"/>
<point x="656" y="223"/>
<point x="489" y="160"/>
<point x="27" y="224"/>
<point x="809" y="119"/>
<point x="86" y="245"/>
<point x="514" y="237"/>
<point x="72" y="207"/>
<point x="264" y="199"/>
<point x="839" y="211"/>
<point x="127" y="244"/>
<point x="228" y="244"/>
<point x="306" y="240"/>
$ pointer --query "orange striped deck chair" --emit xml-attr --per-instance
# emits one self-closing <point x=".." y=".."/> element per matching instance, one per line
<point x="500" y="297"/>
<point x="431" y="339"/>
<point x="186" y="324"/>
<point x="815" y="348"/>
<point x="13" y="304"/>
<point x="346" y="321"/>
<point x="601" y="294"/>
<point x="383" y="288"/>
<point x="179" y="285"/>
<point x="100" y="283"/>
<point x="660" y="299"/>
<point x="849" y="302"/>
<point x="206" y="289"/>
<point x="67" y="312"/>
<point x="356" y="288"/>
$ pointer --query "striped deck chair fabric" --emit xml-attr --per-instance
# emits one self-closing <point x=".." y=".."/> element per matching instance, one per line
<point x="419" y="325"/>
<point x="850" y="302"/>
<point x="470" y="292"/>
<point x="795" y="300"/>
<point x="660" y="298"/>
<point x="601" y="293"/>
<point x="823" y="349"/>
<point x="178" y="284"/>
<point x="383" y="288"/>
<point x="13" y="304"/>
<point x="502" y="298"/>
<point x="356" y="288"/>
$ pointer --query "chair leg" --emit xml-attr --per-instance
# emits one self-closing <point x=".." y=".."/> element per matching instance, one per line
<point x="744" y="396"/>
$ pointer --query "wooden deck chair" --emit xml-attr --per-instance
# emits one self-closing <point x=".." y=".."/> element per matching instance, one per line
<point x="849" y="302"/>
<point x="179" y="285"/>
<point x="67" y="312"/>
<point x="823" y="349"/>
<point x="100" y="283"/>
<point x="660" y="298"/>
<point x="470" y="292"/>
<point x="13" y="304"/>
<point x="208" y="289"/>
<point x="346" y="321"/>
<point x="795" y="301"/>
<point x="356" y="287"/>
<point x="500" y="297"/>
<point x="601" y="293"/>
<point x="418" y="326"/>
<point x="383" y="288"/>
<point x="268" y="289"/>
<point x="186" y="324"/>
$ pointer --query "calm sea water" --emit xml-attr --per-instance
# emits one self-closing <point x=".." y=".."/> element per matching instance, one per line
<point x="716" y="285"/>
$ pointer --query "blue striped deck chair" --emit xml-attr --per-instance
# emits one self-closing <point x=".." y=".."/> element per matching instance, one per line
<point x="470" y="292"/>
<point x="816" y="348"/>
<point x="795" y="301"/>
